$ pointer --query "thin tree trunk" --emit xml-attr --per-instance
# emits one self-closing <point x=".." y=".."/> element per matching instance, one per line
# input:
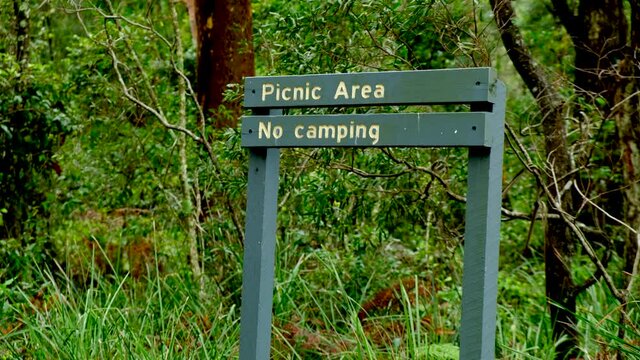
<point x="187" y="208"/>
<point x="628" y="125"/>
<point x="629" y="134"/>
<point x="607" y="66"/>
<point x="601" y="42"/>
<point x="191" y="10"/>
<point x="21" y="9"/>
<point x="18" y="211"/>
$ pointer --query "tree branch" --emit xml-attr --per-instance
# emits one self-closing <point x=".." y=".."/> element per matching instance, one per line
<point x="531" y="74"/>
<point x="634" y="231"/>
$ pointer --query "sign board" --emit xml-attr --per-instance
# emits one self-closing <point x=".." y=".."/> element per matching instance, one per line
<point x="450" y="86"/>
<point x="480" y="130"/>
<point x="367" y="130"/>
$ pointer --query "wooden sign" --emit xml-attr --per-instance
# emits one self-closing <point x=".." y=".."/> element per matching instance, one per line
<point x="367" y="130"/>
<point x="480" y="130"/>
<point x="375" y="88"/>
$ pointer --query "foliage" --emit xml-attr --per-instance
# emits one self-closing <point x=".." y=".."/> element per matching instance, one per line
<point x="33" y="125"/>
<point x="118" y="318"/>
<point x="369" y="241"/>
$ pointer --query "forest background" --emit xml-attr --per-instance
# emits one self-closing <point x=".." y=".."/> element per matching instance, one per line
<point x="122" y="182"/>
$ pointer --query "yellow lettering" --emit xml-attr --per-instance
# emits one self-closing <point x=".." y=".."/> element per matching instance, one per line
<point x="267" y="89"/>
<point x="354" y="91"/>
<point x="264" y="129"/>
<point x="277" y="131"/>
<point x="311" y="132"/>
<point x="374" y="133"/>
<point x="342" y="133"/>
<point x="285" y="91"/>
<point x="314" y="93"/>
<point x="297" y="131"/>
<point x="379" y="92"/>
<point x="326" y="130"/>
<point x="341" y="91"/>
<point x="366" y="91"/>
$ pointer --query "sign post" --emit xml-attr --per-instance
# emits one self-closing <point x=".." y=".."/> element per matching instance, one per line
<point x="480" y="130"/>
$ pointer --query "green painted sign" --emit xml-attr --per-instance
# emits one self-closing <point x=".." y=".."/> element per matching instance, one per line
<point x="367" y="130"/>
<point x="374" y="88"/>
<point x="480" y="130"/>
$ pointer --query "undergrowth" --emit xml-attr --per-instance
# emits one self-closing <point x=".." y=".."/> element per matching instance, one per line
<point x="316" y="315"/>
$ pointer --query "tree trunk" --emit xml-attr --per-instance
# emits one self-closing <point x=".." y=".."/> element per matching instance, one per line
<point x="600" y="40"/>
<point x="188" y="211"/>
<point x="629" y="135"/>
<point x="225" y="55"/>
<point x="21" y="9"/>
<point x="559" y="244"/>
<point x="191" y="10"/>
<point x="607" y="66"/>
<point x="599" y="32"/>
<point x="15" y="187"/>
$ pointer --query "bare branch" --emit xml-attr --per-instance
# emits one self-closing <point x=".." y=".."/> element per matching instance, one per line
<point x="297" y="176"/>
<point x="365" y="174"/>
<point x="156" y="113"/>
<point x="154" y="107"/>
<point x="536" y="207"/>
<point x="533" y="76"/>
<point x="520" y="151"/>
<point x="634" y="231"/>
<point x="620" y="296"/>
<point x="624" y="100"/>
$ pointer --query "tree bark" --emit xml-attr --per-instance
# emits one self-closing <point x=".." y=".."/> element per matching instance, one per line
<point x="629" y="135"/>
<point x="14" y="189"/>
<point x="188" y="211"/>
<point x="225" y="54"/>
<point x="607" y="65"/>
<point x="559" y="244"/>
<point x="21" y="9"/>
<point x="599" y="31"/>
<point x="600" y="41"/>
<point x="191" y="10"/>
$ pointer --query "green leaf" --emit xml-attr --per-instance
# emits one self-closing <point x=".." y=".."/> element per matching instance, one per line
<point x="443" y="352"/>
<point x="6" y="130"/>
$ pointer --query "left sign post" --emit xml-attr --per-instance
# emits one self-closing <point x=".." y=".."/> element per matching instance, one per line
<point x="259" y="250"/>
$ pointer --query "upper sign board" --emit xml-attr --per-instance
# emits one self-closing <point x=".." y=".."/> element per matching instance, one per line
<point x="447" y="86"/>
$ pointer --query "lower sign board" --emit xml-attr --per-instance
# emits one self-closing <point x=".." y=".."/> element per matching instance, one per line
<point x="368" y="130"/>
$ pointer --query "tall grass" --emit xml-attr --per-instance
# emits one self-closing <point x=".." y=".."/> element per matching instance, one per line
<point x="599" y="323"/>
<point x="317" y="315"/>
<point x="119" y="317"/>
